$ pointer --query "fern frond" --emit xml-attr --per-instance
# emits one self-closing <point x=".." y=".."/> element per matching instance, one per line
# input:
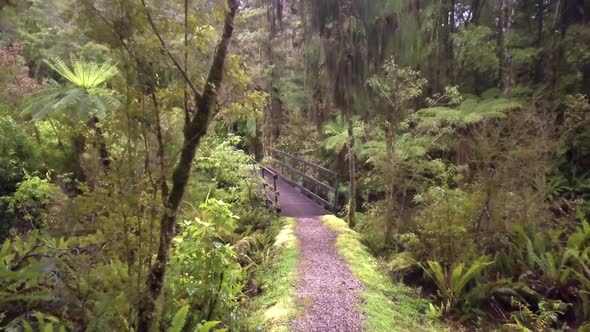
<point x="463" y="279"/>
<point x="179" y="319"/>
<point x="83" y="74"/>
<point x="498" y="105"/>
<point x="61" y="68"/>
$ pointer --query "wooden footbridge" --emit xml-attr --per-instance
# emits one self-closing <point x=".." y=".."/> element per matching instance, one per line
<point x="299" y="187"/>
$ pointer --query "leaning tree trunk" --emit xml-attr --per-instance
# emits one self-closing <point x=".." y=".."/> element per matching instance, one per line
<point x="348" y="102"/>
<point x="193" y="131"/>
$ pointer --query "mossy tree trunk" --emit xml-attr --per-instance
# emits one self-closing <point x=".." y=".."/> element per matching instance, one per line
<point x="193" y="131"/>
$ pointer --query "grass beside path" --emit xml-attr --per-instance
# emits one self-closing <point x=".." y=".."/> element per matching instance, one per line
<point x="272" y="309"/>
<point x="387" y="306"/>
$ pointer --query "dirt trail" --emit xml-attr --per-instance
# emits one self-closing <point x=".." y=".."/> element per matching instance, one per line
<point x="327" y="290"/>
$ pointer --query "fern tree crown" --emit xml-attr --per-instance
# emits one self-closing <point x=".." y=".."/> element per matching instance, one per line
<point x="83" y="74"/>
<point x="84" y="97"/>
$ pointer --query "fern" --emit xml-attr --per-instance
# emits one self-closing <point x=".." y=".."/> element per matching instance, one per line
<point x="77" y="101"/>
<point x="374" y="152"/>
<point x="495" y="105"/>
<point x="208" y="326"/>
<point x="337" y="134"/>
<point x="83" y="74"/>
<point x="470" y="111"/>
<point x="452" y="285"/>
<point x="179" y="320"/>
<point x="85" y="97"/>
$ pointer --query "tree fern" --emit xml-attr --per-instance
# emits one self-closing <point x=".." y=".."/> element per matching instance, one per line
<point x="84" y="97"/>
<point x="470" y="111"/>
<point x="337" y="135"/>
<point x="84" y="74"/>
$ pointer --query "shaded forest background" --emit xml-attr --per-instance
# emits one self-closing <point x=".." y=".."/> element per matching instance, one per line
<point x="460" y="130"/>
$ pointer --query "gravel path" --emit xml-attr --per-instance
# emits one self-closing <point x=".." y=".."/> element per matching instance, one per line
<point x="327" y="289"/>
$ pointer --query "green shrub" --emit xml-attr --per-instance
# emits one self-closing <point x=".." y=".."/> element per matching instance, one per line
<point x="18" y="153"/>
<point x="446" y="223"/>
<point x="204" y="272"/>
<point x="29" y="206"/>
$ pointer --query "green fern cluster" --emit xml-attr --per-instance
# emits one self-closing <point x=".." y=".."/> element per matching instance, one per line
<point x="453" y="285"/>
<point x="83" y="74"/>
<point x="470" y="111"/>
<point x="336" y="132"/>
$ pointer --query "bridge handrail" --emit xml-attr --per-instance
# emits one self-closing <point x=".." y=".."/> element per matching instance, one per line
<point x="275" y="154"/>
<point x="298" y="172"/>
<point x="310" y="193"/>
<point x="274" y="177"/>
<point x="316" y="166"/>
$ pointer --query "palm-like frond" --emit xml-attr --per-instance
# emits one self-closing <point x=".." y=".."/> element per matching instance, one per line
<point x="337" y="134"/>
<point x="76" y="100"/>
<point x="51" y="99"/>
<point x="374" y="152"/>
<point x="452" y="285"/>
<point x="84" y="74"/>
<point x="83" y="97"/>
<point x="470" y="111"/>
<point x="336" y="142"/>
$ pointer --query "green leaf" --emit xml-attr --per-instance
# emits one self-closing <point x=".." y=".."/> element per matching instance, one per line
<point x="179" y="320"/>
<point x="207" y="326"/>
<point x="475" y="269"/>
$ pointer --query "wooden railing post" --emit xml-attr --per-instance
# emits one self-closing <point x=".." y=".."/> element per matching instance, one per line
<point x="274" y="181"/>
<point x="336" y="192"/>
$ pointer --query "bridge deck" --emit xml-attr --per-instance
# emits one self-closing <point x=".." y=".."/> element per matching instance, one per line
<point x="295" y="204"/>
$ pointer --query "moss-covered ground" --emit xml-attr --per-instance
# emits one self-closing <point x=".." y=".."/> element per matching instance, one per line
<point x="272" y="309"/>
<point x="388" y="306"/>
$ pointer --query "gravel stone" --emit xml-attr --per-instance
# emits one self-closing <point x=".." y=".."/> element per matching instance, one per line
<point x="327" y="290"/>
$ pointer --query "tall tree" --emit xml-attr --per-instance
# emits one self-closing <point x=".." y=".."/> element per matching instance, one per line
<point x="507" y="13"/>
<point x="194" y="129"/>
<point x="398" y="87"/>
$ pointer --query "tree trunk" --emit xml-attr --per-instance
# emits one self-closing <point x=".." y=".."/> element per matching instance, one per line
<point x="507" y="14"/>
<point x="102" y="147"/>
<point x="450" y="54"/>
<point x="583" y="10"/>
<point x="351" y="170"/>
<point x="392" y="223"/>
<point x="193" y="132"/>
<point x="475" y="12"/>
<point x="539" y="63"/>
<point x="274" y="17"/>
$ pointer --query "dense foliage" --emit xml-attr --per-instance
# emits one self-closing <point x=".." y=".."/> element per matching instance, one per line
<point x="91" y="131"/>
<point x="460" y="130"/>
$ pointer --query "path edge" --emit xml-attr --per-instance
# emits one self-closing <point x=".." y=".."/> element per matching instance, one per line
<point x="276" y="305"/>
<point x="387" y="306"/>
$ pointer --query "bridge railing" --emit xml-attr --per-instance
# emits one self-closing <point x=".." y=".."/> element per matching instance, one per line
<point x="270" y="179"/>
<point x="315" y="181"/>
